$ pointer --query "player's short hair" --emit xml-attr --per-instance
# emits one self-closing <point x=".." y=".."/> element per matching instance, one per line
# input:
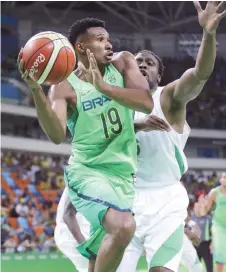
<point x="161" y="66"/>
<point x="80" y="27"/>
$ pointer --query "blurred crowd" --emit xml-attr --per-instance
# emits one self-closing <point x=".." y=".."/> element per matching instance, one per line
<point x="31" y="187"/>
<point x="206" y="111"/>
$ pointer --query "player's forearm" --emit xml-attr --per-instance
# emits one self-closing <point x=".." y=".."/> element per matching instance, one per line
<point x="139" y="100"/>
<point x="72" y="223"/>
<point x="47" y="117"/>
<point x="206" y="56"/>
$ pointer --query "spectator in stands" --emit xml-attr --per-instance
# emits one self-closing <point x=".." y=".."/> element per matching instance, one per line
<point x="22" y="208"/>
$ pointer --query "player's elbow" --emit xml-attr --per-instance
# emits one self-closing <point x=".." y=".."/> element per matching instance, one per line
<point x="57" y="139"/>
<point x="202" y="75"/>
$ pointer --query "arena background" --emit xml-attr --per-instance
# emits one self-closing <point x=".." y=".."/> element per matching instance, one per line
<point x="32" y="167"/>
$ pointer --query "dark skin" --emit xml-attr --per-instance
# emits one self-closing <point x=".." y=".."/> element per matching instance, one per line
<point x="72" y="223"/>
<point x="94" y="54"/>
<point x="177" y="94"/>
<point x="53" y="114"/>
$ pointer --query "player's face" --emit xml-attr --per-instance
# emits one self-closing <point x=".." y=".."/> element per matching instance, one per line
<point x="99" y="44"/>
<point x="223" y="179"/>
<point x="149" y="67"/>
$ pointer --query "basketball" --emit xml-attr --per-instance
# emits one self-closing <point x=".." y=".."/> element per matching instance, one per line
<point x="49" y="58"/>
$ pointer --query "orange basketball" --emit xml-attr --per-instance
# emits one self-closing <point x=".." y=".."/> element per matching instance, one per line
<point x="49" y="58"/>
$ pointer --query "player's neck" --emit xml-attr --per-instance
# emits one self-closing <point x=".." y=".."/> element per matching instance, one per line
<point x="153" y="89"/>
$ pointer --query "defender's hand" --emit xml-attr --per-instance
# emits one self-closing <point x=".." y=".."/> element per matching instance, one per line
<point x="24" y="74"/>
<point x="195" y="239"/>
<point x="210" y="17"/>
<point x="152" y="122"/>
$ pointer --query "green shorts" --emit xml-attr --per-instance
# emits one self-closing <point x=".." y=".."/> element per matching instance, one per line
<point x="219" y="244"/>
<point x="92" y="192"/>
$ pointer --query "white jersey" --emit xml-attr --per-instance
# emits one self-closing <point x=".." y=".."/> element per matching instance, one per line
<point x="64" y="201"/>
<point x="161" y="159"/>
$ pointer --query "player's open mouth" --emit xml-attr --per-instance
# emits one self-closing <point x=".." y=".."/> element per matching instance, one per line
<point x="109" y="55"/>
<point x="144" y="73"/>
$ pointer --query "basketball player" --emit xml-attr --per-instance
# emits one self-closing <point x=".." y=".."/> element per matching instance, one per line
<point x="217" y="198"/>
<point x="161" y="201"/>
<point x="100" y="171"/>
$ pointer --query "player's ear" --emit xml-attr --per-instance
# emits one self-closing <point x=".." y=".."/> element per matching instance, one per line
<point x="159" y="78"/>
<point x="79" y="47"/>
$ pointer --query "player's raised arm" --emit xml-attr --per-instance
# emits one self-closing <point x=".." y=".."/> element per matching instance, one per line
<point x="52" y="114"/>
<point x="136" y="95"/>
<point x="205" y="203"/>
<point x="191" y="83"/>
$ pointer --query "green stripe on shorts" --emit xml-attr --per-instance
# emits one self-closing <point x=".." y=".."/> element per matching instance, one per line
<point x="170" y="248"/>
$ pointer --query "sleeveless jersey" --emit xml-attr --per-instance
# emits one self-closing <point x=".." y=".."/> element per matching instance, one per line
<point x="219" y="217"/>
<point x="161" y="159"/>
<point x="102" y="130"/>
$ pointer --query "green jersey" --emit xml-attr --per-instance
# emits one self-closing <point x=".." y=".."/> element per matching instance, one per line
<point x="102" y="130"/>
<point x="219" y="217"/>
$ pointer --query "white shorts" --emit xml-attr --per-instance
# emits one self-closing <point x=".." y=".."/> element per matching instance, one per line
<point x="159" y="215"/>
<point x="67" y="244"/>
<point x="190" y="257"/>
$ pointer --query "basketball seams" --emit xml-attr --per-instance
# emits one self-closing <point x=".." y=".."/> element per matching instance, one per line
<point x="45" y="65"/>
<point x="50" y="63"/>
<point x="29" y="60"/>
<point x="48" y="35"/>
<point x="67" y="62"/>
<point x="66" y="55"/>
<point x="59" y="42"/>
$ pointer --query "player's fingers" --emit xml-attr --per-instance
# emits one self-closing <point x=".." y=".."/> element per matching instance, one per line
<point x="81" y="67"/>
<point x="25" y="75"/>
<point x="21" y="66"/>
<point x="88" y="55"/>
<point x="160" y="123"/>
<point x="222" y="15"/>
<point x="94" y="60"/>
<point x="197" y="6"/>
<point x="163" y="124"/>
<point x="154" y="124"/>
<point x="19" y="56"/>
<point x="221" y="6"/>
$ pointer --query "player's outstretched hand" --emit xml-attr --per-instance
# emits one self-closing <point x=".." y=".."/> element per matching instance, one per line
<point x="152" y="122"/>
<point x="210" y="17"/>
<point x="92" y="74"/>
<point x="24" y="74"/>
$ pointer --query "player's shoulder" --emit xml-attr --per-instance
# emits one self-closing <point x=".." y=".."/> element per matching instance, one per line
<point x="123" y="61"/>
<point x="123" y="57"/>
<point x="60" y="90"/>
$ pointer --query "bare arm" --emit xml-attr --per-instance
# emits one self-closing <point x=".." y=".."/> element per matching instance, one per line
<point x="191" y="83"/>
<point x="71" y="222"/>
<point x="52" y="112"/>
<point x="136" y="95"/>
